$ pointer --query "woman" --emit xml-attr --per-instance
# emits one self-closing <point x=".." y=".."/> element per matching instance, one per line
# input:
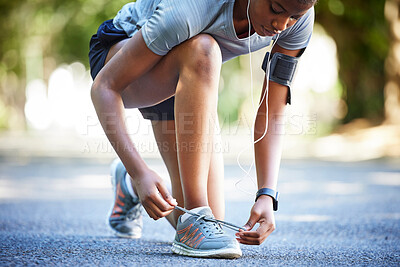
<point x="164" y="57"/>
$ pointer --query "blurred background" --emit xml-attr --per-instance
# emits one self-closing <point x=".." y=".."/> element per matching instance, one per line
<point x="340" y="175"/>
<point x="345" y="102"/>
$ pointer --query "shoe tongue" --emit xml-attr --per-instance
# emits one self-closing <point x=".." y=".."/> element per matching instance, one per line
<point x="205" y="211"/>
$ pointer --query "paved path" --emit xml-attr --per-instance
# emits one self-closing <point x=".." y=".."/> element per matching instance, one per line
<point x="53" y="212"/>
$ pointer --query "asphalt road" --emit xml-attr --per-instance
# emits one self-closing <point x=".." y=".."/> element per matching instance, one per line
<point x="53" y="212"/>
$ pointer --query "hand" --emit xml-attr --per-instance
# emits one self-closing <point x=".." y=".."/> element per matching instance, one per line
<point x="262" y="213"/>
<point x="153" y="194"/>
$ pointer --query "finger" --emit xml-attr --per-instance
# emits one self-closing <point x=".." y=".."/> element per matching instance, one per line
<point x="251" y="222"/>
<point x="249" y="234"/>
<point x="166" y="195"/>
<point x="155" y="213"/>
<point x="249" y="238"/>
<point x="246" y="242"/>
<point x="254" y="237"/>
<point x="160" y="207"/>
<point x="150" y="212"/>
<point x="261" y="231"/>
<point x="161" y="203"/>
<point x="152" y="209"/>
<point x="252" y="240"/>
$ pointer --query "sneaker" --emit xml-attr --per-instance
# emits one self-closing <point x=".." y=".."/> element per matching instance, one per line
<point x="125" y="216"/>
<point x="197" y="237"/>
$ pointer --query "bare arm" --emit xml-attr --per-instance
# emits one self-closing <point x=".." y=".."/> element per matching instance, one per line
<point x="106" y="96"/>
<point x="267" y="157"/>
<point x="106" y="91"/>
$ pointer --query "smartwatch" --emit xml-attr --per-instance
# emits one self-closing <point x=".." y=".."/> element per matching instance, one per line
<point x="269" y="192"/>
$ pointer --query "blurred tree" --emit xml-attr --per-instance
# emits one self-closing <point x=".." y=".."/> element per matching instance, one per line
<point x="11" y="66"/>
<point x="38" y="35"/>
<point x="361" y="34"/>
<point x="392" y="87"/>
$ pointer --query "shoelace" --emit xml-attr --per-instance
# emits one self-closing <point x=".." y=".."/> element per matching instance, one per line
<point x="211" y="219"/>
<point x="216" y="225"/>
<point x="134" y="213"/>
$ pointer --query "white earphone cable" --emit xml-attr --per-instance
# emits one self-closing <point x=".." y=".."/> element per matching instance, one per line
<point x="264" y="96"/>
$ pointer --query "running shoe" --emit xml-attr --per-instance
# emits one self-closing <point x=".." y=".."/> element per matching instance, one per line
<point x="199" y="237"/>
<point x="125" y="217"/>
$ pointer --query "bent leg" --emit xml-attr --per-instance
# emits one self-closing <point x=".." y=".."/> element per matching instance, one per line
<point x="164" y="132"/>
<point x="191" y="72"/>
<point x="195" y="113"/>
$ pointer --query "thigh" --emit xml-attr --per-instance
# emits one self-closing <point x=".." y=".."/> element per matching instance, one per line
<point x="153" y="87"/>
<point x="160" y="82"/>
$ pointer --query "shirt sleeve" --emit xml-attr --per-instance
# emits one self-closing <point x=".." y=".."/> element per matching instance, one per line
<point x="174" y="22"/>
<point x="298" y="36"/>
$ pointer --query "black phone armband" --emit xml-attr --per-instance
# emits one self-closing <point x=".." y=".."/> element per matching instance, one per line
<point x="282" y="69"/>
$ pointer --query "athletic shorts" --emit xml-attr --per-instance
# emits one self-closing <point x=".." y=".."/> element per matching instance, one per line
<point x="100" y="43"/>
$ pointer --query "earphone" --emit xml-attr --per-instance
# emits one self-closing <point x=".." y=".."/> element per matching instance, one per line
<point x="264" y="96"/>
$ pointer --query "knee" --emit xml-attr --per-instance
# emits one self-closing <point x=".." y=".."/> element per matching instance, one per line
<point x="204" y="45"/>
<point x="203" y="55"/>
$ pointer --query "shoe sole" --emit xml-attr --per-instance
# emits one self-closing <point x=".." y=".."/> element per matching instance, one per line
<point x="224" y="253"/>
<point x="126" y="235"/>
<point x="113" y="173"/>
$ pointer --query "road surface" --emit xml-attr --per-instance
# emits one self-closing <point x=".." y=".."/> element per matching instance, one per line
<point x="53" y="212"/>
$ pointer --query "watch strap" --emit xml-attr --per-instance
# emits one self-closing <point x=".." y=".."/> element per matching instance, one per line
<point x="269" y="192"/>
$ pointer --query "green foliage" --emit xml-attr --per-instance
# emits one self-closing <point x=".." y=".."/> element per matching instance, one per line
<point x="62" y="29"/>
<point x="361" y="34"/>
<point x="230" y="97"/>
<point x="40" y="34"/>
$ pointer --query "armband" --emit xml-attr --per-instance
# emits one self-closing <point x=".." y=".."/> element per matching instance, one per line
<point x="282" y="69"/>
